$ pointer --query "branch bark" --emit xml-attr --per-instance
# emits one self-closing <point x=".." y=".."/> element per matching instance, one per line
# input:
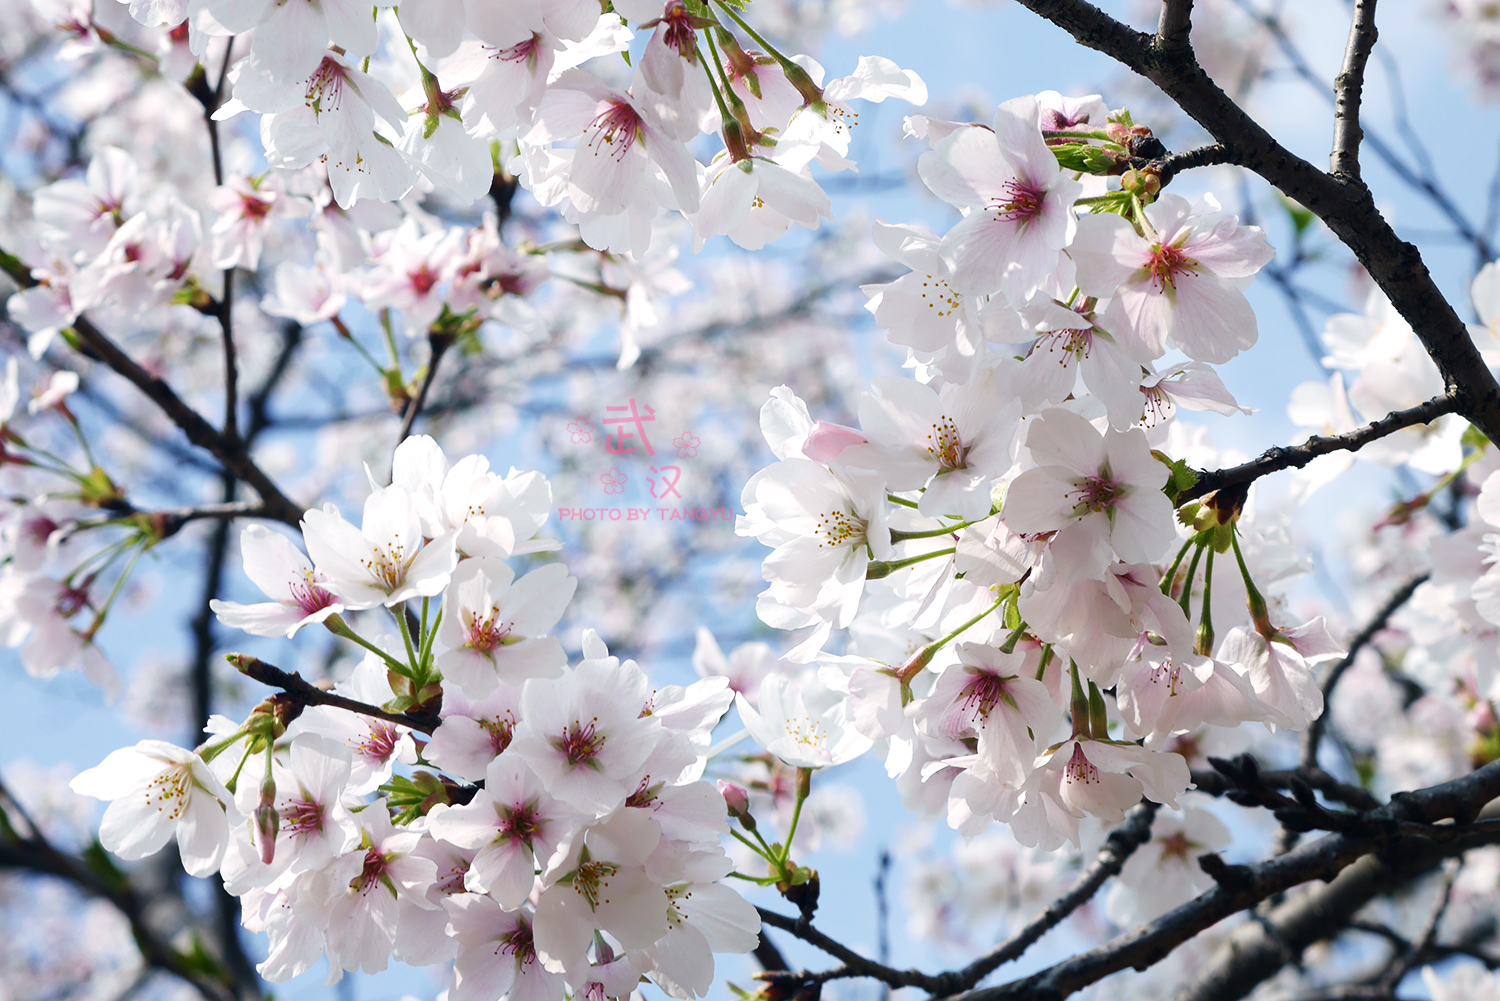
<point x="1241" y="887"/>
<point x="1280" y="457"/>
<point x="1348" y="90"/>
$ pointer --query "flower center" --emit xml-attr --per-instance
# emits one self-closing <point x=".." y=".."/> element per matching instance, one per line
<point x="580" y="743"/>
<point x="1021" y="204"/>
<point x="373" y="873"/>
<point x="387" y="564"/>
<point x="308" y="595"/>
<point x="1097" y="494"/>
<point x="1167" y="262"/>
<point x="945" y="445"/>
<point x="302" y="816"/>
<point x="941" y="297"/>
<point x="486" y="634"/>
<point x="1176" y="846"/>
<point x="521" y="823"/>
<point x="1079" y="768"/>
<point x="840" y="528"/>
<point x="591" y="881"/>
<point x="517" y="942"/>
<point x="380" y="742"/>
<point x="807" y="731"/>
<point x="522" y="52"/>
<point x="614" y="131"/>
<point x="169" y="791"/>
<point x="325" y="88"/>
<point x="984" y="691"/>
<point x="501" y="732"/>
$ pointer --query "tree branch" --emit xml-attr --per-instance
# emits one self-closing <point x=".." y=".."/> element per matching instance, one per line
<point x="1348" y="210"/>
<point x="855" y="965"/>
<point x="1348" y="90"/>
<point x="300" y="690"/>
<point x="1281" y="457"/>
<point x="1313" y="735"/>
<point x="34" y="853"/>
<point x="1174" y="25"/>
<point x="439" y="343"/>
<point x="1240" y="887"/>
<point x="1121" y="844"/>
<point x="1203" y="156"/>
<point x="230" y="452"/>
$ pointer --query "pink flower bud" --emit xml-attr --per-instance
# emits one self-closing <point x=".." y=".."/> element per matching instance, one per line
<point x="825" y="441"/>
<point x="737" y="799"/>
<point x="267" y="820"/>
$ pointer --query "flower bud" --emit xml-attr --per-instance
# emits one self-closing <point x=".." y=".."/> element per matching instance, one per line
<point x="267" y="820"/>
<point x="737" y="798"/>
<point x="825" y="441"/>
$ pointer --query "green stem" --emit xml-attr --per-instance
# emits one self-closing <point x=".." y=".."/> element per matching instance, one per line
<point x="751" y="845"/>
<point x="932" y="533"/>
<point x="884" y="568"/>
<point x="792" y="830"/>
<point x="939" y="644"/>
<point x="1187" y="586"/>
<point x="411" y="650"/>
<point x="341" y="628"/>
<point x="901" y="501"/>
<point x="1205" y="638"/>
<point x="1166" y="583"/>
<point x="770" y="50"/>
<point x="115" y="591"/>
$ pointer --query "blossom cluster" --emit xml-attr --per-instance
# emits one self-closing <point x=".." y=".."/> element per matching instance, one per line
<point x="999" y="533"/>
<point x="552" y="834"/>
<point x="495" y="85"/>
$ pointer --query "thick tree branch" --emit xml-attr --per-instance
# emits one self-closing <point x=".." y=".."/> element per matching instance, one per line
<point x="1313" y="735"/>
<point x="230" y="452"/>
<point x="30" y="851"/>
<point x="1241" y="887"/>
<point x="1281" y="457"/>
<point x="1348" y="90"/>
<point x="1348" y="210"/>
<point x="1174" y="25"/>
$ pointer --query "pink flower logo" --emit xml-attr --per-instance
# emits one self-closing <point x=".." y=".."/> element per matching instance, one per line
<point x="614" y="481"/>
<point x="687" y="445"/>
<point x="581" y="431"/>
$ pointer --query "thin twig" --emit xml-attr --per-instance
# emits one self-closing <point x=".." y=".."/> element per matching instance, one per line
<point x="440" y="343"/>
<point x="301" y="690"/>
<point x="1119" y="846"/>
<point x="1348" y="90"/>
<point x="855" y="965"/>
<point x="1203" y="156"/>
<point x="1313" y="735"/>
<point x="1296" y="456"/>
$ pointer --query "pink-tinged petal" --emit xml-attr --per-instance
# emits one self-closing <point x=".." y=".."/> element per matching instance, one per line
<point x="1035" y="501"/>
<point x="1212" y="320"/>
<point x="1231" y="251"/>
<point x="1061" y="437"/>
<point x="1107" y="250"/>
<point x="965" y="169"/>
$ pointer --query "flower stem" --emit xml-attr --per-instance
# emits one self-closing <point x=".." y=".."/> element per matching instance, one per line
<point x="884" y="568"/>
